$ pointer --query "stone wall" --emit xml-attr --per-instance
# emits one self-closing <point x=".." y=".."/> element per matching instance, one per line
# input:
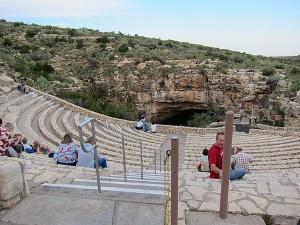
<point x="271" y="130"/>
<point x="168" y="129"/>
<point x="13" y="186"/>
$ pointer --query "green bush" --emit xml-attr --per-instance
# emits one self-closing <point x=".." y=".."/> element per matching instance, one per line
<point x="72" y="32"/>
<point x="279" y="66"/>
<point x="31" y="33"/>
<point x="238" y="59"/>
<point x="7" y="42"/>
<point x="268" y="71"/>
<point x="103" y="39"/>
<point x="131" y="43"/>
<point x="200" y="120"/>
<point x="123" y="48"/>
<point x="272" y="82"/>
<point x="222" y="67"/>
<point x="79" y="44"/>
<point x="25" y="49"/>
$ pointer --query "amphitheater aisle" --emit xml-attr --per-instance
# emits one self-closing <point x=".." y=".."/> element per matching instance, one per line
<point x="167" y="146"/>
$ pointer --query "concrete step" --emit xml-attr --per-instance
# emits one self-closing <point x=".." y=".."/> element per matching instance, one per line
<point x="152" y="184"/>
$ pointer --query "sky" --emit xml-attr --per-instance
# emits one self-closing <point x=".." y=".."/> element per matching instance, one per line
<point x="258" y="27"/>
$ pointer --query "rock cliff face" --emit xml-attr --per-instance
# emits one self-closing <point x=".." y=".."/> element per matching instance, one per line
<point x="164" y="95"/>
<point x="180" y="85"/>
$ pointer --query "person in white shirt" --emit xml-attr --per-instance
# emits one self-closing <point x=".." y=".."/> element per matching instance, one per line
<point x="86" y="159"/>
<point x="153" y="128"/>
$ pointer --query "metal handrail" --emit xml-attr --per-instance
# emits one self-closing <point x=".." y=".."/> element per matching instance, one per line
<point x="93" y="147"/>
<point x="107" y="126"/>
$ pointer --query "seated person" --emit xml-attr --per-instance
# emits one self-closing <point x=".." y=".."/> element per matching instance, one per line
<point x="144" y="123"/>
<point x="6" y="139"/>
<point x="22" y="87"/>
<point x="139" y="125"/>
<point x="153" y="128"/>
<point x="67" y="151"/>
<point x="15" y="147"/>
<point x="40" y="148"/>
<point x="87" y="159"/>
<point x="28" y="148"/>
<point x="240" y="160"/>
<point x="203" y="166"/>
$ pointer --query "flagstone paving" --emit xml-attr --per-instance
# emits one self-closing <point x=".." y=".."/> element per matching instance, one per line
<point x="276" y="192"/>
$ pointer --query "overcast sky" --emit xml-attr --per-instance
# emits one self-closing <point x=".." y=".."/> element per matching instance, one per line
<point x="259" y="27"/>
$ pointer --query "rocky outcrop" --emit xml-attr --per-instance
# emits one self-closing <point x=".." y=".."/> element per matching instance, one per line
<point x="163" y="95"/>
<point x="13" y="185"/>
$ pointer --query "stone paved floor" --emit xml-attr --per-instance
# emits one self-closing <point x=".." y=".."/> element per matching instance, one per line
<point x="276" y="193"/>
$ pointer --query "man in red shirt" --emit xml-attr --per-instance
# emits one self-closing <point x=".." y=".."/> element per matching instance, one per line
<point x="215" y="160"/>
<point x="215" y="157"/>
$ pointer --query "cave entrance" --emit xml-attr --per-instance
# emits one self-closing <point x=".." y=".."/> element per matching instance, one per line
<point x="180" y="118"/>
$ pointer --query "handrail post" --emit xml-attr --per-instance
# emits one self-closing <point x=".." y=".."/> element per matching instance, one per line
<point x="94" y="147"/>
<point x="124" y="157"/>
<point x="154" y="161"/>
<point x="226" y="164"/>
<point x="160" y="160"/>
<point x="141" y="150"/>
<point x="96" y="156"/>
<point x="174" y="180"/>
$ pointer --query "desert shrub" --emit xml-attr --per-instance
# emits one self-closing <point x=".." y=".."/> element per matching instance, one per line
<point x="238" y="59"/>
<point x="131" y="42"/>
<point x="214" y="114"/>
<point x="202" y="70"/>
<point x="200" y="120"/>
<point x="60" y="39"/>
<point x="7" y="42"/>
<point x="31" y="33"/>
<point x="103" y="39"/>
<point x="272" y="82"/>
<point x="162" y="84"/>
<point x="295" y="86"/>
<point x="119" y="109"/>
<point x="25" y="49"/>
<point x="158" y="58"/>
<point x="268" y="71"/>
<point x="92" y="102"/>
<point x="295" y="70"/>
<point x="222" y="67"/>
<point x="169" y="44"/>
<point x="72" y="32"/>
<point x="79" y="44"/>
<point x="123" y="48"/>
<point x="279" y="66"/>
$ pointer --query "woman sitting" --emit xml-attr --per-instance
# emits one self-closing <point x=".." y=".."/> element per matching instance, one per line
<point x="40" y="148"/>
<point x="67" y="151"/>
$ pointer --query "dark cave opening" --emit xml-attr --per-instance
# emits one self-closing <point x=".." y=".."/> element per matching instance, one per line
<point x="180" y="118"/>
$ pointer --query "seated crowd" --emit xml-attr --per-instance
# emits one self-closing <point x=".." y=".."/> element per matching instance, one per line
<point x="212" y="160"/>
<point x="69" y="154"/>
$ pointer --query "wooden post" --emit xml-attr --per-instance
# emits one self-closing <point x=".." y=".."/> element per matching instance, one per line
<point x="174" y="180"/>
<point x="226" y="164"/>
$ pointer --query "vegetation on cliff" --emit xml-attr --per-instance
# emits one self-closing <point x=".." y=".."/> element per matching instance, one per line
<point x="81" y="65"/>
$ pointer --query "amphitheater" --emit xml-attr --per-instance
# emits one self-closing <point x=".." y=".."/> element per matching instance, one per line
<point x="272" y="188"/>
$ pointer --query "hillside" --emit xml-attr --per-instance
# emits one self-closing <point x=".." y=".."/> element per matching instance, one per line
<point x="118" y="74"/>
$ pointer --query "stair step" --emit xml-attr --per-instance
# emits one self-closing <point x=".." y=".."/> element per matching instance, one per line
<point x="113" y="189"/>
<point x="128" y="184"/>
<point x="121" y="178"/>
